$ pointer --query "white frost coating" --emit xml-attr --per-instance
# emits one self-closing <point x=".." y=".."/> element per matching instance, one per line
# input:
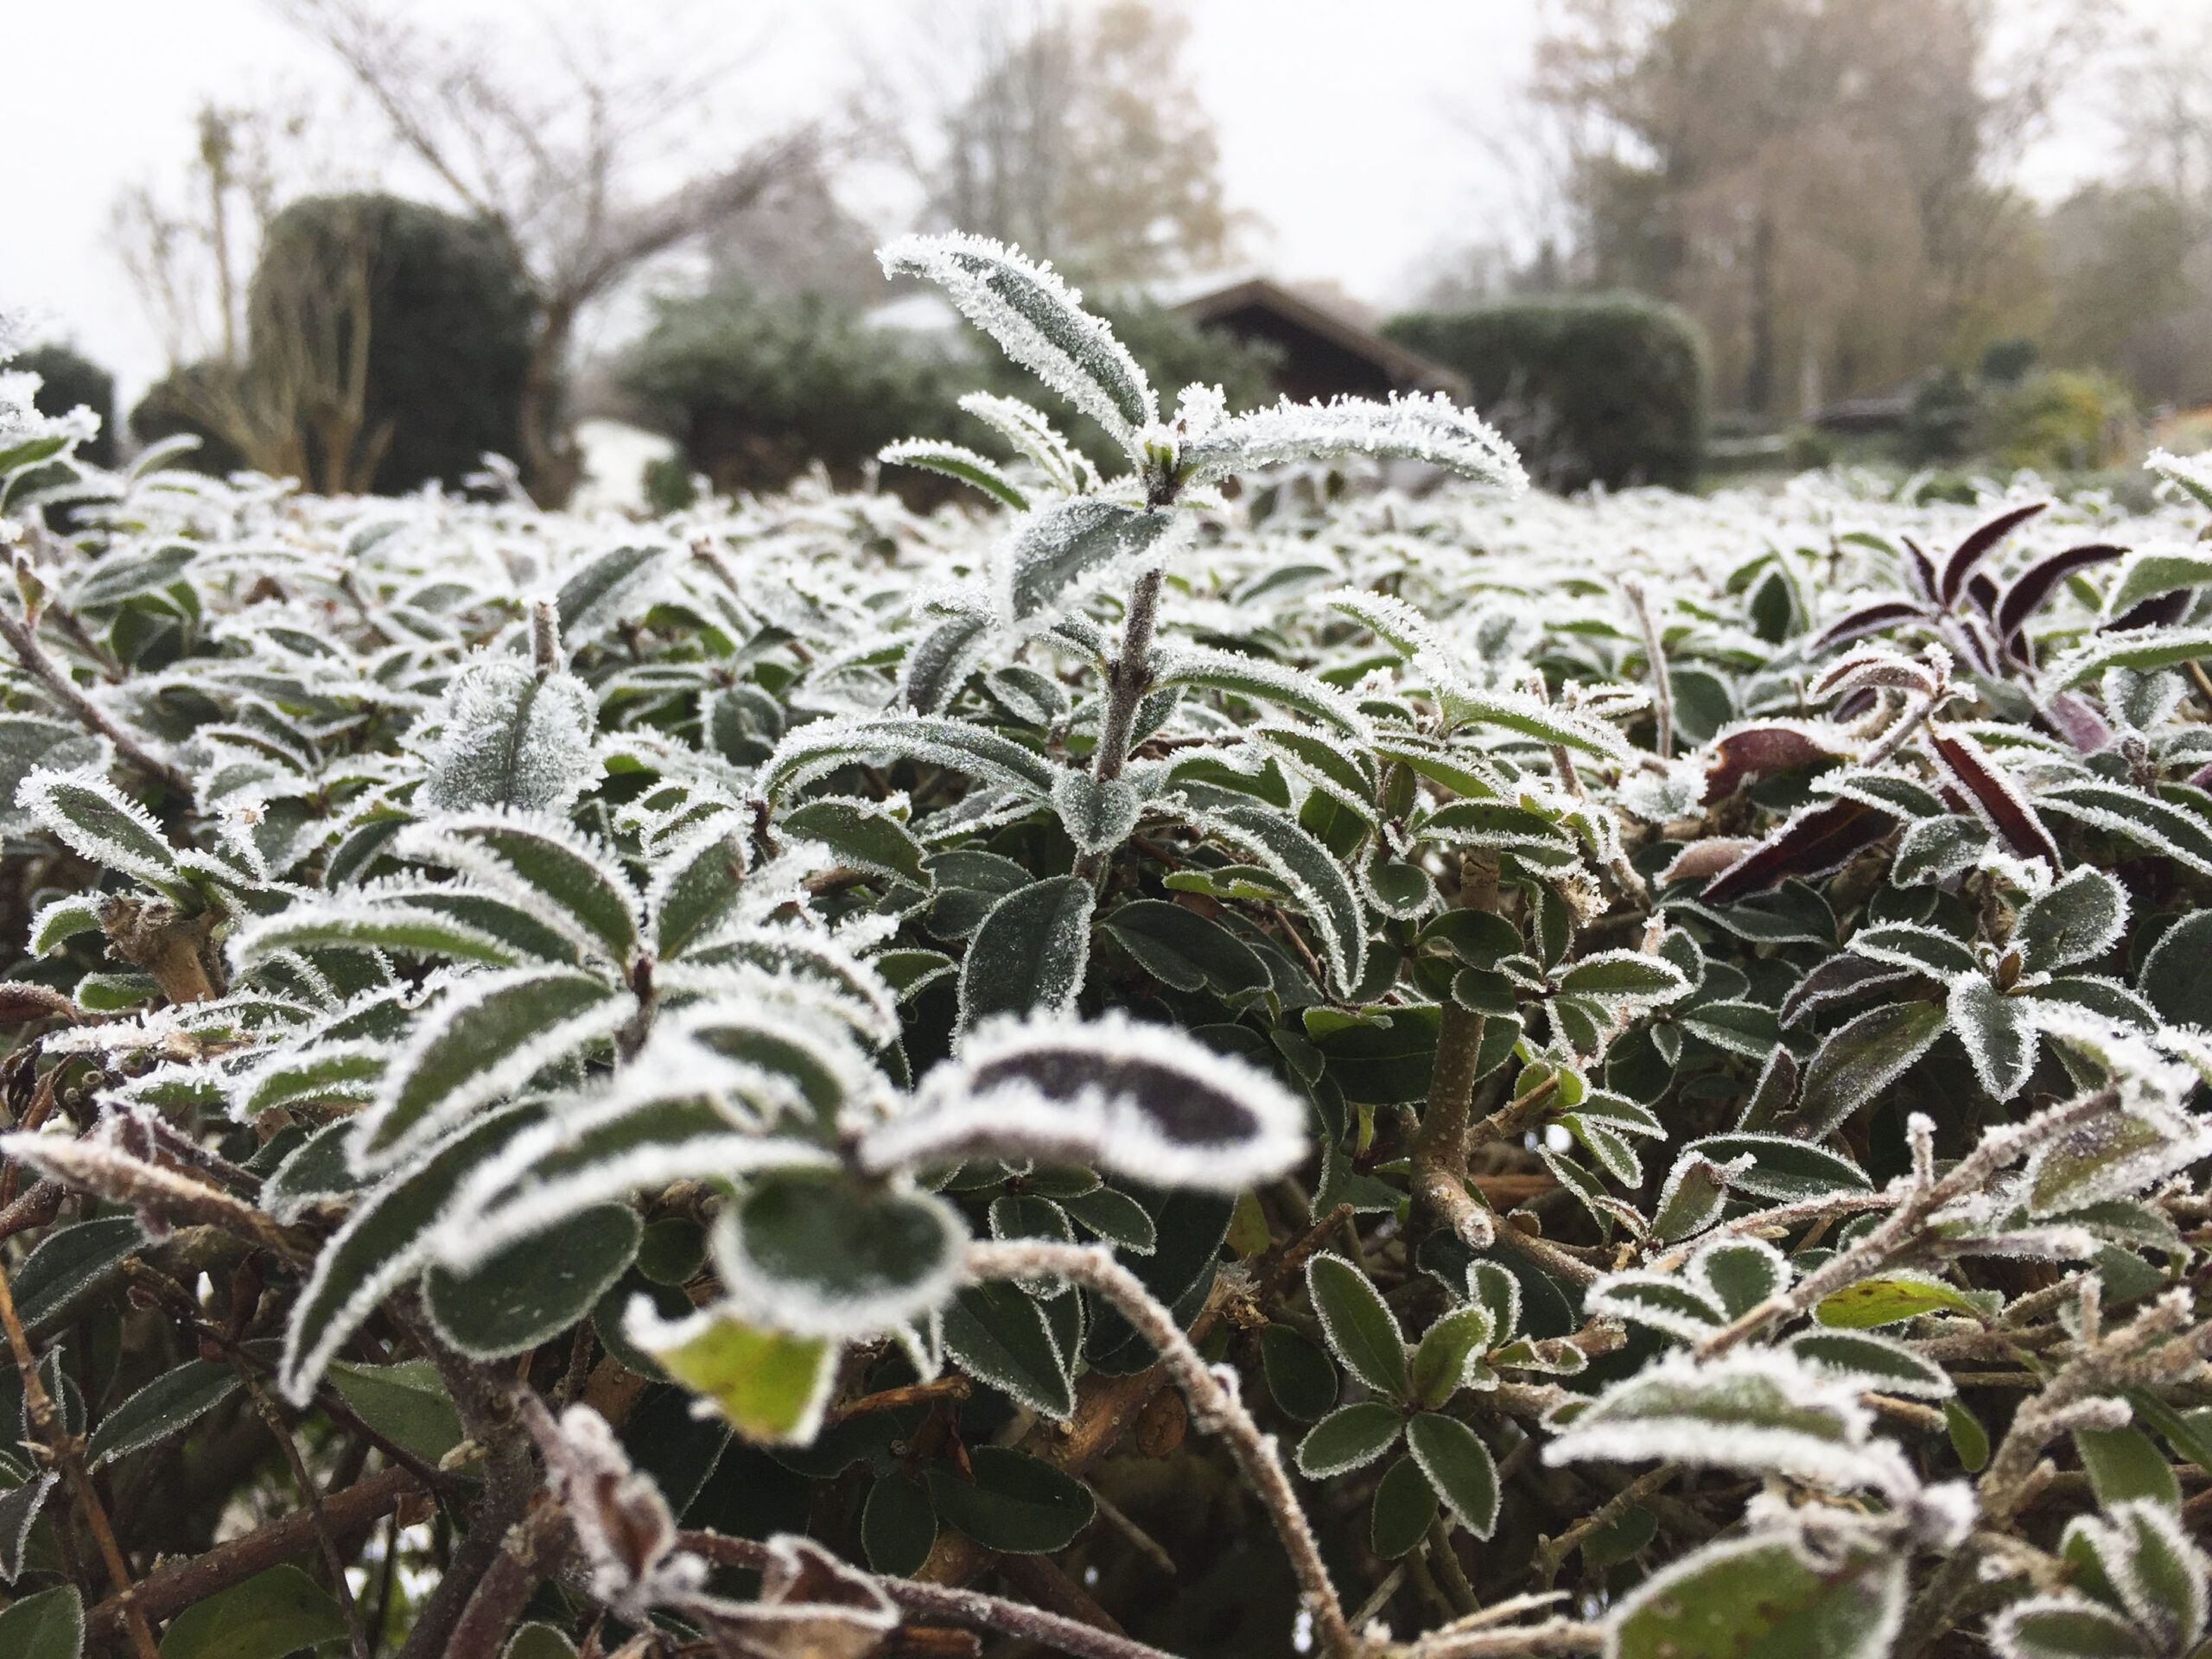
<point x="511" y="737"/>
<point x="1868" y="1359"/>
<point x="822" y="746"/>
<point x="1739" y="1248"/>
<point x="2005" y="1632"/>
<point x="1757" y="1410"/>
<point x="1665" y="1303"/>
<point x="1871" y="1640"/>
<point x="809" y="973"/>
<point x="2121" y="1539"/>
<point x="1258" y="679"/>
<point x="985" y="1101"/>
<point x="1028" y="431"/>
<point x="1097" y="817"/>
<point x="1416" y="426"/>
<point x="506" y="1072"/>
<point x="442" y="843"/>
<point x="155" y="864"/>
<point x="1070" y="351"/>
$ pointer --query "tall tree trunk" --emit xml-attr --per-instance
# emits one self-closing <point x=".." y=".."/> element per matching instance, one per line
<point x="551" y="466"/>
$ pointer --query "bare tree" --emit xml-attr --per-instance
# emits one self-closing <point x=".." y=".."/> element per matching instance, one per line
<point x="556" y="167"/>
<point x="1078" y="137"/>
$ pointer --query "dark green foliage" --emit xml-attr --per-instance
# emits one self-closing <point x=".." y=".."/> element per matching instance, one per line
<point x="171" y="406"/>
<point x="1604" y="388"/>
<point x="756" y="387"/>
<point x="67" y="378"/>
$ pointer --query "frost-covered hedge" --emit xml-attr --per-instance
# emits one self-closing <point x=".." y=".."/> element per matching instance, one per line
<point x="1130" y="1071"/>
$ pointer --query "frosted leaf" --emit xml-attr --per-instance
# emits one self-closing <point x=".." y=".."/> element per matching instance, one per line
<point x="818" y="1254"/>
<point x="810" y="751"/>
<point x="1257" y="680"/>
<point x="1097" y="817"/>
<point x="1026" y="429"/>
<point x="954" y="461"/>
<point x="1657" y="1299"/>
<point x="512" y="737"/>
<point x="1038" y="320"/>
<point x="1144" y="1100"/>
<point x="1756" y="1411"/>
<point x="2150" y="1561"/>
<point x="1199" y="409"/>
<point x="1416" y="426"/>
<point x="1068" y="548"/>
<point x="99" y="822"/>
<point x="623" y="1524"/>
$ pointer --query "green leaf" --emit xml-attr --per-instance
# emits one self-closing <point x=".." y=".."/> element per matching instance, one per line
<point x="1882" y="1363"/>
<point x="771" y="1385"/>
<point x="953" y="460"/>
<point x="527" y="1292"/>
<point x="406" y="1403"/>
<point x="898" y="1526"/>
<point x="48" y="1625"/>
<point x="1923" y="950"/>
<point x="315" y="1171"/>
<point x="1018" y="1504"/>
<point x="1057" y="546"/>
<point x="1996" y="1032"/>
<point x="1319" y="882"/>
<point x="604" y="589"/>
<point x="1439" y="1367"/>
<point x="1405" y="1507"/>
<point x="57" y="924"/>
<point x="1783" y="1169"/>
<point x="1348" y="1438"/>
<point x="1751" y="1598"/>
<point x="1968" y="1438"/>
<point x="542" y="860"/>
<point x="2141" y="649"/>
<point x="2173" y="979"/>
<point x="168" y="1405"/>
<point x="488" y="1036"/>
<point x="672" y="1250"/>
<point x="2125" y="1463"/>
<point x="1113" y="1215"/>
<point x="538" y="1640"/>
<point x="1860" y="1060"/>
<point x="2149" y="575"/>
<point x="1459" y="1466"/>
<point x="1184" y="950"/>
<point x="811" y="750"/>
<point x="1889" y="1298"/>
<point x="1299" y="1375"/>
<point x="270" y="1615"/>
<point x="1358" y="1324"/>
<point x="1260" y="681"/>
<point x="1038" y="320"/>
<point x="1740" y="1273"/>
<point x="1734" y="1027"/>
<point x="818" y="1253"/>
<point x="411" y="929"/>
<point x="69" y="1265"/>
<point x="1030" y="952"/>
<point x="2079" y="918"/>
<point x="1379" y="1065"/>
<point x="1000" y="1336"/>
<point x="2069" y="1628"/>
<point x="99" y="822"/>
<point x="2136" y="816"/>
<point x="1625" y="978"/>
<point x="381" y="1246"/>
<point x="864" y="836"/>
<point x="696" y="883"/>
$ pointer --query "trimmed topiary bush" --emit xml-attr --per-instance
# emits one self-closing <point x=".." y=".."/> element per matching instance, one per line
<point x="1602" y="388"/>
<point x="68" y="380"/>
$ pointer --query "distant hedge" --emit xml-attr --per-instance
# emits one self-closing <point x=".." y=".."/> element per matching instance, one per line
<point x="67" y="378"/>
<point x="1604" y="388"/>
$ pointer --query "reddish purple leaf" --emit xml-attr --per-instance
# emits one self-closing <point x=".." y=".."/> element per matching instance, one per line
<point x="1979" y="545"/>
<point x="1921" y="570"/>
<point x="2159" y="611"/>
<point x="1992" y="794"/>
<point x="2078" y="723"/>
<point x="1981" y="588"/>
<point x="1815" y="841"/>
<point x="1868" y="619"/>
<point x="2033" y="585"/>
<point x="1759" y="751"/>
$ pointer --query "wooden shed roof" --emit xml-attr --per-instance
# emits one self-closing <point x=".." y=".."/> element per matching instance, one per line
<point x="1326" y="353"/>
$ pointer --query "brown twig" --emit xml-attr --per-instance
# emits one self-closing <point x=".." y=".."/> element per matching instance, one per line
<point x="168" y="1590"/>
<point x="951" y="1386"/>
<point x="22" y="637"/>
<point x="1212" y="1405"/>
<point x="311" y="1496"/>
<point x="62" y="1446"/>
<point x="968" y="1608"/>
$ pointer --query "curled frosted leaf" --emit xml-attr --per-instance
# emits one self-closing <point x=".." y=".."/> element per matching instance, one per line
<point x="1059" y="550"/>
<point x="953" y="460"/>
<point x="1039" y="322"/>
<point x="1416" y="426"/>
<point x="1144" y="1100"/>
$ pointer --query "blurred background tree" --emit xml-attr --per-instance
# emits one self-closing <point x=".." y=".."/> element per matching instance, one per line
<point x="68" y="380"/>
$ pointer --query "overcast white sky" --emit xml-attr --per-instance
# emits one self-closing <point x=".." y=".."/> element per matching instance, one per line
<point x="1348" y="127"/>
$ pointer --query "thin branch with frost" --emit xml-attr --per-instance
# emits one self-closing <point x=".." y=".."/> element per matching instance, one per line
<point x="1214" y="1405"/>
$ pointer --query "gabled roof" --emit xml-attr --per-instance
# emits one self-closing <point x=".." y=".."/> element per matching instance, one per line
<point x="1326" y="352"/>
